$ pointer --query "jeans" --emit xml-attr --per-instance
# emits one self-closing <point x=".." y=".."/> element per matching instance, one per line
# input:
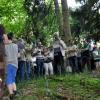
<point x="39" y="69"/>
<point x="22" y="65"/>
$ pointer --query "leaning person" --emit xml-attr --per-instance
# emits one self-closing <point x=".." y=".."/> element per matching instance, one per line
<point x="11" y="51"/>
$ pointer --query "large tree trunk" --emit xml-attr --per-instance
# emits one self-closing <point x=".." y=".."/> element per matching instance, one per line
<point x="59" y="17"/>
<point x="66" y="24"/>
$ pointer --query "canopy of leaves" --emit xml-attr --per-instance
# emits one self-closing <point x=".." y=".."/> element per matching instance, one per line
<point x="12" y="15"/>
<point x="42" y="18"/>
<point x="87" y="17"/>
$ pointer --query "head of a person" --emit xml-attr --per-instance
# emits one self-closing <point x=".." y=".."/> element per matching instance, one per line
<point x="56" y="35"/>
<point x="39" y="44"/>
<point x="10" y="35"/>
<point x="45" y="49"/>
<point x="20" y="40"/>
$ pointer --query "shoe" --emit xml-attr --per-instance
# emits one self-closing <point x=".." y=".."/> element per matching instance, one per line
<point x="11" y="97"/>
<point x="16" y="93"/>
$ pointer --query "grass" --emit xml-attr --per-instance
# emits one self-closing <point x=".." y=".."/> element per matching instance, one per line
<point x="78" y="86"/>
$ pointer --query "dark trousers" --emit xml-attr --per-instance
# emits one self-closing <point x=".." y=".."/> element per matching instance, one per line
<point x="86" y="61"/>
<point x="80" y="64"/>
<point x="73" y="63"/>
<point x="58" y="63"/>
<point x="22" y="65"/>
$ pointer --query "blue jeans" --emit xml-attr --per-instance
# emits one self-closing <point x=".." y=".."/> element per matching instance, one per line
<point x="39" y="69"/>
<point x="22" y="65"/>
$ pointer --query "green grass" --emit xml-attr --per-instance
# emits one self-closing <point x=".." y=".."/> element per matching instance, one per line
<point x="82" y="86"/>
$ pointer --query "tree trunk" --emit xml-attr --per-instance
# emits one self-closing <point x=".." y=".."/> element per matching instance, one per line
<point x="66" y="24"/>
<point x="59" y="17"/>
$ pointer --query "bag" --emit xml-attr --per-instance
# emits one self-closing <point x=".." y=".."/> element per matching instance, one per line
<point x="56" y="51"/>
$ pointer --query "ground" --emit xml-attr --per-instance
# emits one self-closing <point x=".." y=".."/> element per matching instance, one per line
<point x="65" y="87"/>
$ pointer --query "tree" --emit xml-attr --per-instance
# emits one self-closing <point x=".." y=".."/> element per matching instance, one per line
<point x="66" y="24"/>
<point x="59" y="17"/>
<point x="88" y="16"/>
<point x="42" y="18"/>
<point x="12" y="15"/>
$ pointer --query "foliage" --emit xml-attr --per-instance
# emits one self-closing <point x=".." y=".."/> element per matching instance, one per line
<point x="87" y="17"/>
<point x="36" y="19"/>
<point x="12" y="15"/>
<point x="29" y="19"/>
<point x="42" y="16"/>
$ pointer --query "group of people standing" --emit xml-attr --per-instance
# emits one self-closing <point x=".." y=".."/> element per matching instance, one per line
<point x="16" y="58"/>
<point x="48" y="59"/>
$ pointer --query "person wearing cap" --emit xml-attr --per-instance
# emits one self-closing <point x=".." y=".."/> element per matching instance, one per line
<point x="59" y="48"/>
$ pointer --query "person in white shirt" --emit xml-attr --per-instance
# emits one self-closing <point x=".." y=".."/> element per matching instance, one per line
<point x="48" y="58"/>
<point x="59" y="48"/>
<point x="96" y="55"/>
